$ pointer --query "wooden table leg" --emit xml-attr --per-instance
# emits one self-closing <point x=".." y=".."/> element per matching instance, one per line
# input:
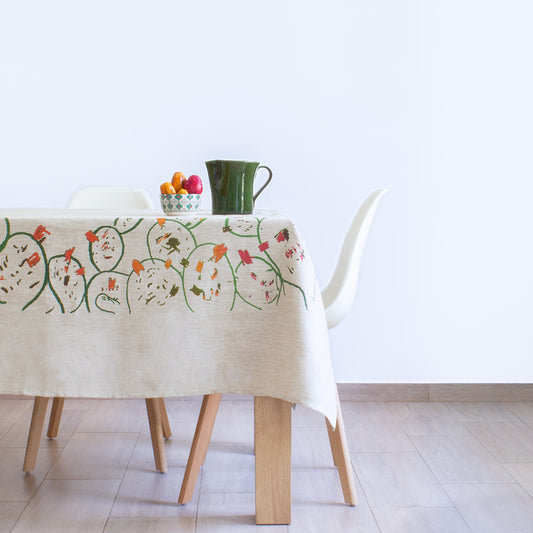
<point x="153" y="408"/>
<point x="55" y="417"/>
<point x="36" y="429"/>
<point x="272" y="461"/>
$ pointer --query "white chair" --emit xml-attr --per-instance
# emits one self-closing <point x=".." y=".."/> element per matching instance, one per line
<point x="91" y="198"/>
<point x="338" y="299"/>
<point x="110" y="198"/>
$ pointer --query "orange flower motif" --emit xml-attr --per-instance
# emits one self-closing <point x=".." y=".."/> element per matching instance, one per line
<point x="199" y="266"/>
<point x="33" y="259"/>
<point x="137" y="266"/>
<point x="91" y="237"/>
<point x="168" y="263"/>
<point x="39" y="233"/>
<point x="218" y="252"/>
<point x="160" y="221"/>
<point x="68" y="254"/>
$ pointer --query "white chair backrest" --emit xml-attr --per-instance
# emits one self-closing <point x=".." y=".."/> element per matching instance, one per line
<point x="108" y="197"/>
<point x="339" y="294"/>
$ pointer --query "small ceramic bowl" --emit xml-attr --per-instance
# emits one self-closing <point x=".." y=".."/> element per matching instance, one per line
<point x="173" y="204"/>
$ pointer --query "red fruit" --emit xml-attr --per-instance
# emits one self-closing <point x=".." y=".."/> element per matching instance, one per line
<point x="193" y="185"/>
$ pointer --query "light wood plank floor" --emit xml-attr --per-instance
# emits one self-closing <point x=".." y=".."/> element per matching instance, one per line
<point x="420" y="467"/>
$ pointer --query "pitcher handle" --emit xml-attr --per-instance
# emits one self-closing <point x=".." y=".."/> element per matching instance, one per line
<point x="266" y="183"/>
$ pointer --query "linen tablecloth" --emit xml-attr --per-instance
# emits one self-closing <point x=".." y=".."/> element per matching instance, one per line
<point x="109" y="304"/>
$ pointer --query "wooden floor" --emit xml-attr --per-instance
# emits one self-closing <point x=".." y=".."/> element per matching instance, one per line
<point x="420" y="467"/>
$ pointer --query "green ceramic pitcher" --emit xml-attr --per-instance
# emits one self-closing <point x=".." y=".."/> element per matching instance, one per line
<point x="232" y="185"/>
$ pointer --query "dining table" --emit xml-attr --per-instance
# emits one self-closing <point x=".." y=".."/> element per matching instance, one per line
<point x="139" y="304"/>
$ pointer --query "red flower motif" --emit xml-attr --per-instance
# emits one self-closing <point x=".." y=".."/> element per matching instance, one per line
<point x="245" y="257"/>
<point x="283" y="235"/>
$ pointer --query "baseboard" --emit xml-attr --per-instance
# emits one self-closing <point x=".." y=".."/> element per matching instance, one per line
<point x="384" y="392"/>
<point x="436" y="392"/>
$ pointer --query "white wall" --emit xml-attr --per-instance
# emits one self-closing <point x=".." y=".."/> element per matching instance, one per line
<point x="432" y="99"/>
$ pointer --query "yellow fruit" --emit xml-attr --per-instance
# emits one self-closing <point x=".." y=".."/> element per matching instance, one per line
<point x="177" y="179"/>
<point x="183" y="191"/>
<point x="167" y="188"/>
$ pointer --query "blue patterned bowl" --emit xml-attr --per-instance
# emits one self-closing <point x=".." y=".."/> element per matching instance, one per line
<point x="174" y="204"/>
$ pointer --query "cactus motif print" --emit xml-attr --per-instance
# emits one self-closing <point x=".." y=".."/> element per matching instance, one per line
<point x="124" y="265"/>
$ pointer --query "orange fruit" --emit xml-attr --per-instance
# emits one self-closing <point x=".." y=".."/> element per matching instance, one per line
<point x="167" y="188"/>
<point x="177" y="179"/>
<point x="183" y="191"/>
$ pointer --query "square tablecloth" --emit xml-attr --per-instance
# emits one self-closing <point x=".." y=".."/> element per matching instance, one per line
<point x="138" y="304"/>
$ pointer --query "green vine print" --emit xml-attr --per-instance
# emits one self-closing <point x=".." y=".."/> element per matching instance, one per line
<point x="235" y="265"/>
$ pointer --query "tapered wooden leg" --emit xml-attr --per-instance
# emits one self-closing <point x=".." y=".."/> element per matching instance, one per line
<point x="167" y="433"/>
<point x="272" y="461"/>
<point x="55" y="417"/>
<point x="333" y="442"/>
<point x="36" y="429"/>
<point x="341" y="457"/>
<point x="156" y="432"/>
<point x="200" y="443"/>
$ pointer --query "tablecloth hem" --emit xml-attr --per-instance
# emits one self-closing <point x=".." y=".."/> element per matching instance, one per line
<point x="316" y="406"/>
